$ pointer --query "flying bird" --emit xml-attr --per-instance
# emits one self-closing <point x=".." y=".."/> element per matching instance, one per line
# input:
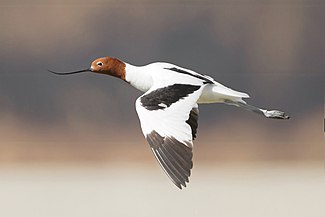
<point x="168" y="109"/>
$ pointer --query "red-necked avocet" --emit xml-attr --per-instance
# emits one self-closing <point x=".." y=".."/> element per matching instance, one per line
<point x="168" y="109"/>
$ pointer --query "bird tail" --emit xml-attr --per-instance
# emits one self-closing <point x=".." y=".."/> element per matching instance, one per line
<point x="228" y="92"/>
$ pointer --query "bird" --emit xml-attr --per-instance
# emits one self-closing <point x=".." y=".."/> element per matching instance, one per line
<point x="168" y="108"/>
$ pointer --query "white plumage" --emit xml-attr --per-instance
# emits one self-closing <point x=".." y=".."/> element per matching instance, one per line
<point x="168" y="110"/>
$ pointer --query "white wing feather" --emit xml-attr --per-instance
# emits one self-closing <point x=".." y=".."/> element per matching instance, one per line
<point x="170" y="136"/>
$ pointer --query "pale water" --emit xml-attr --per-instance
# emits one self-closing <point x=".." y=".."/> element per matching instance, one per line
<point x="124" y="190"/>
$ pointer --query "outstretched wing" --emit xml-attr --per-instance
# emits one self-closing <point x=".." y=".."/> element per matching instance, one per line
<point x="168" y="118"/>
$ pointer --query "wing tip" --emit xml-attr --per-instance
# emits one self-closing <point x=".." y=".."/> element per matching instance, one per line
<point x="173" y="156"/>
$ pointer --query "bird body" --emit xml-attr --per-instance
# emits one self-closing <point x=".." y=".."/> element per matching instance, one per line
<point x="168" y="109"/>
<point x="160" y="74"/>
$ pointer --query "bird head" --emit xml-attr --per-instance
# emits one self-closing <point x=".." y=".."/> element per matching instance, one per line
<point x="103" y="65"/>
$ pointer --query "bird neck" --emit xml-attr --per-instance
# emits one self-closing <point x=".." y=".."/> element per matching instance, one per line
<point x="117" y="68"/>
<point x="138" y="77"/>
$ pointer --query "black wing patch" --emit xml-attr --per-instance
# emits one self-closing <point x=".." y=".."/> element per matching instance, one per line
<point x="173" y="156"/>
<point x="193" y="121"/>
<point x="205" y="79"/>
<point x="166" y="96"/>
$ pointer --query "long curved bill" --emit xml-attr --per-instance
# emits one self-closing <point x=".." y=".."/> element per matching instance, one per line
<point x="70" y="73"/>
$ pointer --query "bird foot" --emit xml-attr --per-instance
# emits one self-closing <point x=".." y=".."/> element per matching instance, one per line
<point x="276" y="114"/>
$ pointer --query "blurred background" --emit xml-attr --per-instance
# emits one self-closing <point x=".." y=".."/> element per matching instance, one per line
<point x="75" y="141"/>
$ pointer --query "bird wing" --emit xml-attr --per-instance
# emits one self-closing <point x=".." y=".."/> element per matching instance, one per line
<point x="169" y="120"/>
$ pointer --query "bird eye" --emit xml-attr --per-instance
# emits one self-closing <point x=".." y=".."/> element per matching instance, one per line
<point x="99" y="64"/>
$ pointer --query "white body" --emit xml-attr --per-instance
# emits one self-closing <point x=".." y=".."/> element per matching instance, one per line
<point x="155" y="75"/>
